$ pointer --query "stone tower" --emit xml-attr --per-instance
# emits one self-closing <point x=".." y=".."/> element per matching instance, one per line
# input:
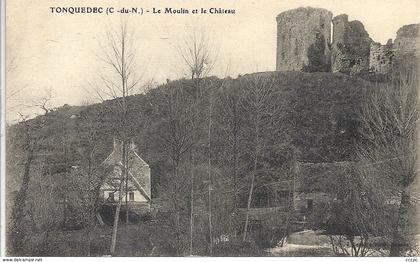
<point x="350" y="46"/>
<point x="303" y="37"/>
<point x="407" y="47"/>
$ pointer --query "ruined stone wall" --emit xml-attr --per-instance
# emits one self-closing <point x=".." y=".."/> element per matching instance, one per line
<point x="350" y="47"/>
<point x="407" y="39"/>
<point x="406" y="46"/>
<point x="381" y="57"/>
<point x="304" y="44"/>
<point x="303" y="37"/>
<point x="404" y="53"/>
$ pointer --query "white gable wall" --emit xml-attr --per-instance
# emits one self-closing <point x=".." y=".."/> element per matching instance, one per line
<point x="138" y="168"/>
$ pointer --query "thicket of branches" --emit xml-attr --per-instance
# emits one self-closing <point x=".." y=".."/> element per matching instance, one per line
<point x="389" y="150"/>
<point x="212" y="144"/>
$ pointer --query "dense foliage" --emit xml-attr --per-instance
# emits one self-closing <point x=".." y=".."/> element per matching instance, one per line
<point x="308" y="117"/>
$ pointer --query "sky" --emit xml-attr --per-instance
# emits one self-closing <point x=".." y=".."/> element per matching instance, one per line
<point x="58" y="53"/>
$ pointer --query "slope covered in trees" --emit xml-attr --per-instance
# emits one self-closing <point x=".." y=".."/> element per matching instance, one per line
<point x="254" y="131"/>
<point x="318" y="111"/>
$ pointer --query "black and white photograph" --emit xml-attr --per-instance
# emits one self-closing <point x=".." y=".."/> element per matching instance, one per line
<point x="193" y="128"/>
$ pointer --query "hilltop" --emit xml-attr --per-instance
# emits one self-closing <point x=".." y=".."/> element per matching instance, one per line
<point x="319" y="108"/>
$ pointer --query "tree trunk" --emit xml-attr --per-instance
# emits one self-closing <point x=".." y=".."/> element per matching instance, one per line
<point x="196" y="80"/>
<point x="120" y="195"/>
<point x="192" y="209"/>
<point x="20" y="201"/>
<point x="88" y="238"/>
<point x="91" y="205"/>
<point x="291" y="199"/>
<point x="175" y="164"/>
<point x="209" y="186"/>
<point x="91" y="222"/>
<point x="116" y="220"/>
<point x="124" y="156"/>
<point x="126" y="197"/>
<point x="252" y="179"/>
<point x="399" y="235"/>
<point x="235" y="183"/>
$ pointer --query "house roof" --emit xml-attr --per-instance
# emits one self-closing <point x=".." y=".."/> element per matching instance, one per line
<point x="138" y="174"/>
<point x="139" y="187"/>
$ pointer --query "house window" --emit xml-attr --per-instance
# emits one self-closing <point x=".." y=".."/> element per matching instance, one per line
<point x="283" y="196"/>
<point x="309" y="205"/>
<point x="111" y="197"/>
<point x="131" y="196"/>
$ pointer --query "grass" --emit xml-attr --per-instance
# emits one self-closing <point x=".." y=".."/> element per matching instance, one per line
<point x="144" y="239"/>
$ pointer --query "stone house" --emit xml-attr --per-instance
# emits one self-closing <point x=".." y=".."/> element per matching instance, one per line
<point x="136" y="189"/>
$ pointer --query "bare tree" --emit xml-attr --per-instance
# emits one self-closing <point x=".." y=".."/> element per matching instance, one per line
<point x="198" y="55"/>
<point x="357" y="213"/>
<point x="209" y="171"/>
<point x="173" y="132"/>
<point x="118" y="82"/>
<point x="88" y="177"/>
<point x="214" y="88"/>
<point x="31" y="139"/>
<point x="229" y="121"/>
<point x="259" y="90"/>
<point x="389" y="141"/>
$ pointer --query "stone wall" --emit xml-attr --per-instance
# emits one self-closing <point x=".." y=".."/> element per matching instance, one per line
<point x="303" y="37"/>
<point x="381" y="57"/>
<point x="406" y="46"/>
<point x="404" y="53"/>
<point x="304" y="44"/>
<point x="407" y="39"/>
<point x="350" y="46"/>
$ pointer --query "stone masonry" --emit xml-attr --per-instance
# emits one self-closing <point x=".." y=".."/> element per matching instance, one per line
<point x="304" y="44"/>
<point x="406" y="46"/>
<point x="302" y="40"/>
<point x="350" y="46"/>
<point x="404" y="52"/>
<point x="381" y="57"/>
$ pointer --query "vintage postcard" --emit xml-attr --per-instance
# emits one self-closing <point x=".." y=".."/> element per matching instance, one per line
<point x="210" y="128"/>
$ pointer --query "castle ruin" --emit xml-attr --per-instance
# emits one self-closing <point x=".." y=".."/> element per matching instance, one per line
<point x="350" y="46"/>
<point x="381" y="57"/>
<point x="309" y="51"/>
<point x="305" y="43"/>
